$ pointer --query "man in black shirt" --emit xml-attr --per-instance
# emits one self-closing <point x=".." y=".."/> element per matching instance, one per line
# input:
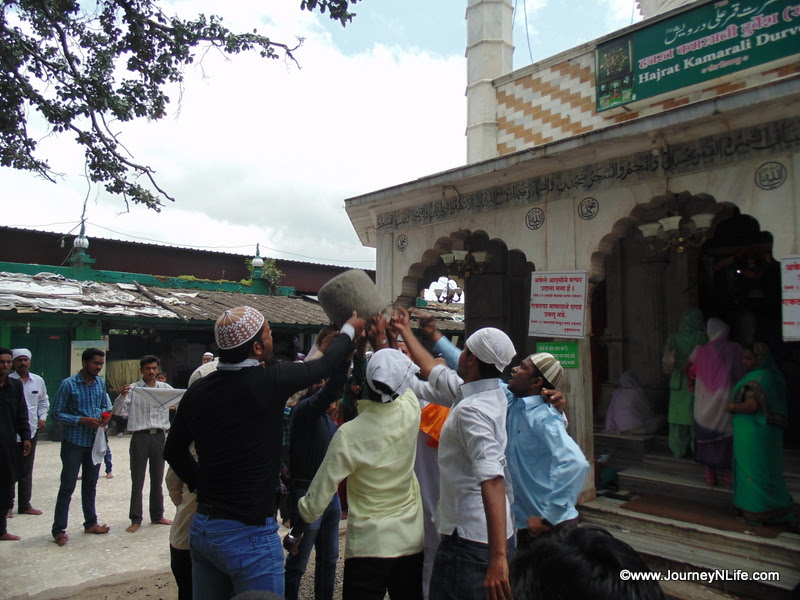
<point x="13" y="423"/>
<point x="310" y="432"/>
<point x="234" y="417"/>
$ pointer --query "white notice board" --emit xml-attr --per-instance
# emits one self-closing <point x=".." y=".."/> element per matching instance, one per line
<point x="558" y="304"/>
<point x="790" y="298"/>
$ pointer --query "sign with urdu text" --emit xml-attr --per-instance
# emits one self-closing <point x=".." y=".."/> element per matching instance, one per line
<point x="790" y="298"/>
<point x="558" y="304"/>
<point x="709" y="41"/>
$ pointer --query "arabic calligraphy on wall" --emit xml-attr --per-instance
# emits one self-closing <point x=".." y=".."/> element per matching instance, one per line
<point x="402" y="242"/>
<point x="706" y="153"/>
<point x="534" y="219"/>
<point x="770" y="175"/>
<point x="588" y="208"/>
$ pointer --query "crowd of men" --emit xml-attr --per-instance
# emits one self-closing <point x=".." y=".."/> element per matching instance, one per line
<point x="456" y="480"/>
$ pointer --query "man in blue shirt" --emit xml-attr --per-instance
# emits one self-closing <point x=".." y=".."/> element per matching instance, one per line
<point x="547" y="467"/>
<point x="79" y="404"/>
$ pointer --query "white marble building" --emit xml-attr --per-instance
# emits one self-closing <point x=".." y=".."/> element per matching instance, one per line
<point x="551" y="184"/>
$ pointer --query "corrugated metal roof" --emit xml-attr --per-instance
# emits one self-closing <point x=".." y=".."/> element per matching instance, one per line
<point x="52" y="293"/>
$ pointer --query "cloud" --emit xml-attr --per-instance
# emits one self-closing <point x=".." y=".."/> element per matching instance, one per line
<point x="265" y="152"/>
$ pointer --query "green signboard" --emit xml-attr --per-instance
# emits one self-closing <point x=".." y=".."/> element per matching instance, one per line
<point x="565" y="352"/>
<point x="704" y="43"/>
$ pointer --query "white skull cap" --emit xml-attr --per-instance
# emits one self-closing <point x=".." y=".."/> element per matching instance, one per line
<point x="393" y="369"/>
<point x="492" y="346"/>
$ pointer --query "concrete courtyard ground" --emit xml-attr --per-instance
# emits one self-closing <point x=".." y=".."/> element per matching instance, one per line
<point x="92" y="567"/>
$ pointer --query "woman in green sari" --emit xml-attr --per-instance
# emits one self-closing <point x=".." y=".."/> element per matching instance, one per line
<point x="759" y="418"/>
<point x="677" y="350"/>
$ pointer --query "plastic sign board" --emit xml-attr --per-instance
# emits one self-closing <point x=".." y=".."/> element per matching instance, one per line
<point x="704" y="43"/>
<point x="565" y="352"/>
<point x="558" y="304"/>
<point x="790" y="298"/>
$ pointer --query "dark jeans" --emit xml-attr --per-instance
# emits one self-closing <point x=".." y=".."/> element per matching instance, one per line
<point x="460" y="567"/>
<point x="323" y="536"/>
<point x="73" y="460"/>
<point x="25" y="483"/>
<point x="229" y="557"/>
<point x="180" y="561"/>
<point x="147" y="448"/>
<point x="369" y="578"/>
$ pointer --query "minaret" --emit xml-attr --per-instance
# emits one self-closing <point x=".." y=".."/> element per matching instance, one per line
<point x="80" y="260"/>
<point x="489" y="55"/>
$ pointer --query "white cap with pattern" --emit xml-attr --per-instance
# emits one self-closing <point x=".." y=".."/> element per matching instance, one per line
<point x="237" y="326"/>
<point x="549" y="366"/>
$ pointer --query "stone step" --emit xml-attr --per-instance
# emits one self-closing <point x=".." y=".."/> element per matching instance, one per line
<point x="667" y="464"/>
<point x="677" y="546"/>
<point x="647" y="481"/>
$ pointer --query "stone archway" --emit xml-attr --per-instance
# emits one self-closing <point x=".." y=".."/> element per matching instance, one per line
<point x="639" y="294"/>
<point x="497" y="296"/>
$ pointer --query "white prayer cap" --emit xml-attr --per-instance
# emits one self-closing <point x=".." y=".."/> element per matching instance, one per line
<point x="393" y="369"/>
<point x="237" y="326"/>
<point x="549" y="366"/>
<point x="491" y="346"/>
<point x="208" y="354"/>
<point x="17" y="352"/>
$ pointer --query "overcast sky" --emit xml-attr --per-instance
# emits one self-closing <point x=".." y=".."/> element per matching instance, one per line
<point x="265" y="152"/>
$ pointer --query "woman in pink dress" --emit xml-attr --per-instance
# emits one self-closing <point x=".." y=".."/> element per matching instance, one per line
<point x="718" y="367"/>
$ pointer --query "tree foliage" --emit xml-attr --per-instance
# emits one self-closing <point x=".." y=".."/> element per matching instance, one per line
<point x="84" y="67"/>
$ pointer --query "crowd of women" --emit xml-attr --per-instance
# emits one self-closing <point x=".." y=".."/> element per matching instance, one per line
<point x="728" y="405"/>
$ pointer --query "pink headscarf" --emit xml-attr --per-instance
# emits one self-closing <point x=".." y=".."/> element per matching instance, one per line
<point x="719" y="362"/>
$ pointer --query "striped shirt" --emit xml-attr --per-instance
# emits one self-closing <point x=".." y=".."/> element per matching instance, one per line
<point x="75" y="399"/>
<point x="141" y="414"/>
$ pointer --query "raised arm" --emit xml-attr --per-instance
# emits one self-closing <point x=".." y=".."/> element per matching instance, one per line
<point x="296" y="376"/>
<point x="401" y="323"/>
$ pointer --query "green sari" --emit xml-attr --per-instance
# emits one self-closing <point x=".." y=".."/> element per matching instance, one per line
<point x="759" y="487"/>
<point x="691" y="334"/>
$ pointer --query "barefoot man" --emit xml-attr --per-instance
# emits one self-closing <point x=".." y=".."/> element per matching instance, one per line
<point x="80" y="403"/>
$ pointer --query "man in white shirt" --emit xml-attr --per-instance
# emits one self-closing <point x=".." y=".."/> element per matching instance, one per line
<point x="474" y="513"/>
<point x="38" y="405"/>
<point x="149" y="426"/>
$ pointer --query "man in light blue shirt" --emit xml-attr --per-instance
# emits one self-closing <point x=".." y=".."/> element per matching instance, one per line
<point x="547" y="467"/>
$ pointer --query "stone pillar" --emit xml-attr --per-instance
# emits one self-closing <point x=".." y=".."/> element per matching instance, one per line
<point x="489" y="55"/>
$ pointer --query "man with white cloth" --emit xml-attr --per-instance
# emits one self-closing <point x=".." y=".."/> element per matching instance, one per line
<point x="376" y="453"/>
<point x="82" y="404"/>
<point x="149" y="426"/>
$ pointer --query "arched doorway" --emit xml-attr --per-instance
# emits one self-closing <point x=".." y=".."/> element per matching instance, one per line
<point x="496" y="288"/>
<point x="642" y="286"/>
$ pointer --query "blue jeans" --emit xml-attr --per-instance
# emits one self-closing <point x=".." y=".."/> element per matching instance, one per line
<point x="72" y="459"/>
<point x="229" y="557"/>
<point x="323" y="535"/>
<point x="460" y="568"/>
